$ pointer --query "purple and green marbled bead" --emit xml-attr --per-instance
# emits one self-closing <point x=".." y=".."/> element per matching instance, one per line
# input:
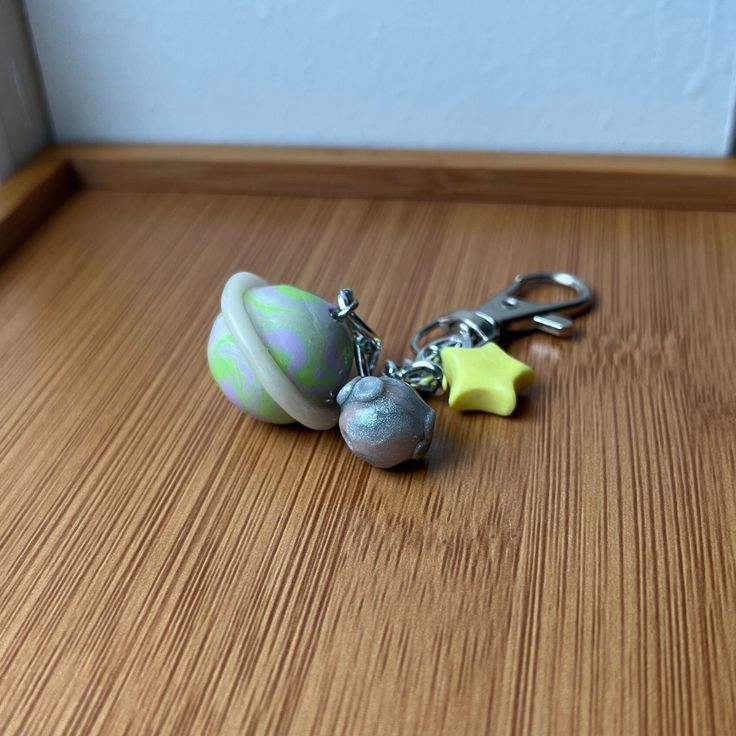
<point x="236" y="378"/>
<point x="310" y="347"/>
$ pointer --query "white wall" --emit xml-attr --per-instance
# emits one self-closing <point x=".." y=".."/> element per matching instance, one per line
<point x="23" y="124"/>
<point x="652" y="76"/>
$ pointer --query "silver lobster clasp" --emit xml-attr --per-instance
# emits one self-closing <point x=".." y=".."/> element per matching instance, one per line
<point x="505" y="313"/>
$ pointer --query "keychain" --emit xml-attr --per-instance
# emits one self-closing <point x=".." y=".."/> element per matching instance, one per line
<point x="284" y="355"/>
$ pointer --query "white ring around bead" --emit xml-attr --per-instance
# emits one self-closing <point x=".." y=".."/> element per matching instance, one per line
<point x="266" y="369"/>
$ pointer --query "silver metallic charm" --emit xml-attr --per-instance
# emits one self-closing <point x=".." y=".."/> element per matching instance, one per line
<point x="384" y="421"/>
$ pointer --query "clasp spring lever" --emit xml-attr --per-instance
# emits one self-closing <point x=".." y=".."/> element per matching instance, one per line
<point x="505" y="313"/>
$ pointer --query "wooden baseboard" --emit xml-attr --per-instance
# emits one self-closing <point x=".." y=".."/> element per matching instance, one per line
<point x="632" y="181"/>
<point x="28" y="197"/>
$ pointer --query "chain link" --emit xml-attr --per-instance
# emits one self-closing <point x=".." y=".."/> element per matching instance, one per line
<point x="366" y="343"/>
<point x="424" y="374"/>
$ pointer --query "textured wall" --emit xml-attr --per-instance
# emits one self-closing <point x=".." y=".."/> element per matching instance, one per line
<point x="612" y="75"/>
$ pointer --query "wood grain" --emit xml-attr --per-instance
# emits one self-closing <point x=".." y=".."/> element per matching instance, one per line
<point x="636" y="181"/>
<point x="30" y="195"/>
<point x="171" y="567"/>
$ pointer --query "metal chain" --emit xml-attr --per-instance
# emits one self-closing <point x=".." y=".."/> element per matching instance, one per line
<point x="424" y="376"/>
<point x="424" y="373"/>
<point x="366" y="344"/>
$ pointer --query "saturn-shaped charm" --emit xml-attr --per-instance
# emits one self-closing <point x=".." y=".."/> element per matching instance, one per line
<point x="277" y="353"/>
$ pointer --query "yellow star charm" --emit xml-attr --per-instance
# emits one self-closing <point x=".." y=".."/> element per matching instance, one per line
<point x="484" y="378"/>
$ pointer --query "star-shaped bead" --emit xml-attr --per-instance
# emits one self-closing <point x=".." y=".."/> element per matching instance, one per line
<point x="484" y="378"/>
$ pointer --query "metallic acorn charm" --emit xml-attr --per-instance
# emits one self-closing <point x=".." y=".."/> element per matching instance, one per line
<point x="277" y="353"/>
<point x="384" y="421"/>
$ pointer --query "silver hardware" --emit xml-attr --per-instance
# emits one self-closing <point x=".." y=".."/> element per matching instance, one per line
<point x="505" y="314"/>
<point x="366" y="344"/>
<point x="424" y="376"/>
<point x="500" y="318"/>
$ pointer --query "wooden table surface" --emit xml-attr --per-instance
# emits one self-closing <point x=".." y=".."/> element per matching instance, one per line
<point x="169" y="566"/>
